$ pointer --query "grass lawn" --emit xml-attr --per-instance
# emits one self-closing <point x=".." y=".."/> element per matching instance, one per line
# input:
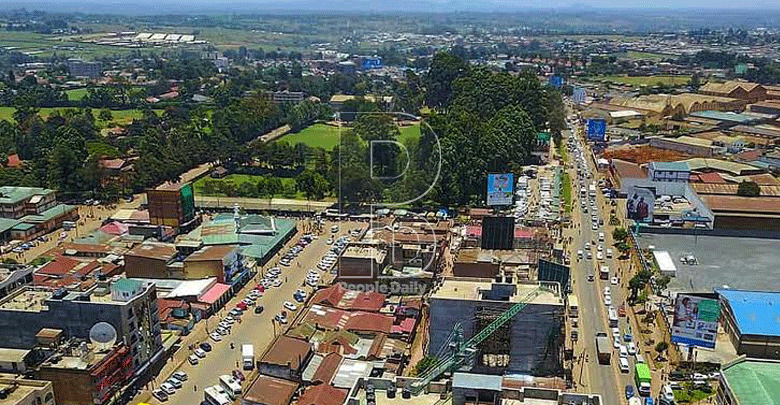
<point x="76" y="94"/>
<point x="647" y="80"/>
<point x="643" y="55"/>
<point x="120" y="116"/>
<point x="327" y="136"/>
<point x="567" y="192"/>
<point x="239" y="179"/>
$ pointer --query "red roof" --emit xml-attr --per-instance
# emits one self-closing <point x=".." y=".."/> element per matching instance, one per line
<point x="322" y="394"/>
<point x="214" y="293"/>
<point x="709" y="178"/>
<point x="339" y="297"/>
<point x="369" y="322"/>
<point x="61" y="265"/>
<point x="13" y="161"/>
<point x="115" y="228"/>
<point x="114" y="164"/>
<point x="330" y="363"/>
<point x="474" y="230"/>
<point x="523" y="233"/>
<point x="406" y="326"/>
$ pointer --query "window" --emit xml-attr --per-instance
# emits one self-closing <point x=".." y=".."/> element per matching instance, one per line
<point x="49" y="398"/>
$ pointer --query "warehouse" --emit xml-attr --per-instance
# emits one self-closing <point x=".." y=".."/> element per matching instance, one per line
<point x="750" y="320"/>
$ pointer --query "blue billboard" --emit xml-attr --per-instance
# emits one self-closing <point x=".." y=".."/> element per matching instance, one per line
<point x="372" y="63"/>
<point x="556" y="81"/>
<point x="597" y="129"/>
<point x="500" y="188"/>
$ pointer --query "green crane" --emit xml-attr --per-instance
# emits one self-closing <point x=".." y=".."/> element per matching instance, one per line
<point x="460" y="352"/>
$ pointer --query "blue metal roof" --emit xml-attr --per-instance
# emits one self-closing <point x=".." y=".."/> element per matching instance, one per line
<point x="756" y="312"/>
<point x="670" y="166"/>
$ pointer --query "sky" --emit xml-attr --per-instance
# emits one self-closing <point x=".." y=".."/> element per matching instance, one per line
<point x="189" y="6"/>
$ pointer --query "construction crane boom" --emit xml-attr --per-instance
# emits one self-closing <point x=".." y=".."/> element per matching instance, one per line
<point x="462" y="351"/>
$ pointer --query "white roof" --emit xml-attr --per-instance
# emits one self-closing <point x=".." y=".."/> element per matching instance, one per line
<point x="192" y="288"/>
<point x="624" y="114"/>
<point x="665" y="262"/>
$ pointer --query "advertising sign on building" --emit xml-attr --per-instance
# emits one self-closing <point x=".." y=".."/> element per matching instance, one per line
<point x="597" y="129"/>
<point x="695" y="321"/>
<point x="639" y="204"/>
<point x="372" y="63"/>
<point x="556" y="81"/>
<point x="500" y="188"/>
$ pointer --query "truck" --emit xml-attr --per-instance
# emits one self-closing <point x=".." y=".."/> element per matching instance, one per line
<point x="230" y="385"/>
<point x="215" y="395"/>
<point x="248" y="356"/>
<point x="603" y="348"/>
<point x="604" y="273"/>
<point x="643" y="379"/>
<point x="592" y="190"/>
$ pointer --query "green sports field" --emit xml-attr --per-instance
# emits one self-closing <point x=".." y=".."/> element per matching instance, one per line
<point x="327" y="136"/>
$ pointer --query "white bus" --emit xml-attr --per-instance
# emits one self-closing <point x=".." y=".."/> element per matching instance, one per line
<point x="215" y="396"/>
<point x="613" y="318"/>
<point x="574" y="306"/>
<point x="230" y="385"/>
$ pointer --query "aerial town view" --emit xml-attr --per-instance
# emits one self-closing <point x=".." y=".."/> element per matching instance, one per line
<point x="422" y="202"/>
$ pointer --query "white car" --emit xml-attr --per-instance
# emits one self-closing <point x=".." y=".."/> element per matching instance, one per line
<point x="616" y="333"/>
<point x="199" y="352"/>
<point x="193" y="359"/>
<point x="180" y="375"/>
<point x="215" y="336"/>
<point x="613" y="281"/>
<point x="278" y="283"/>
<point x="289" y="305"/>
<point x="168" y="388"/>
<point x="600" y="248"/>
<point x="616" y="342"/>
<point x="624" y="367"/>
<point x="607" y="290"/>
<point x="281" y="319"/>
<point x="599" y="256"/>
<point x="631" y="347"/>
<point x="623" y="351"/>
<point x="607" y="300"/>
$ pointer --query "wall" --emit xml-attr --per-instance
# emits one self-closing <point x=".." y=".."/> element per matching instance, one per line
<point x="71" y="387"/>
<point x="145" y="267"/>
<point x="530" y="330"/>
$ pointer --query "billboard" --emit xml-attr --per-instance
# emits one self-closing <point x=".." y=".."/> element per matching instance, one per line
<point x="695" y="321"/>
<point x="556" y="81"/>
<point x="372" y="63"/>
<point x="551" y="271"/>
<point x="639" y="204"/>
<point x="578" y="95"/>
<point x="597" y="129"/>
<point x="499" y="189"/>
<point x="498" y="233"/>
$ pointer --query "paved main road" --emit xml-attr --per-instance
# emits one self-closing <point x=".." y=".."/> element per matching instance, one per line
<point x="253" y="329"/>
<point x="606" y="380"/>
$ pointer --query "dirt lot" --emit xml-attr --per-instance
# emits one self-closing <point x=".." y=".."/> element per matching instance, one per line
<point x="643" y="154"/>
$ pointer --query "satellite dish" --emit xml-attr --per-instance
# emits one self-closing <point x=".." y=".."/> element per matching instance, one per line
<point x="102" y="335"/>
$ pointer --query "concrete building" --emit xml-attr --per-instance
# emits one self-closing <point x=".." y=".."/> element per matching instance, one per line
<point x="16" y="202"/>
<point x="362" y="261"/>
<point x="80" y="68"/>
<point x="530" y="343"/>
<point x="749" y="381"/>
<point x="285" y="358"/>
<point x="130" y="306"/>
<point x="220" y="261"/>
<point x="13" y="277"/>
<point x="266" y="390"/>
<point x="152" y="260"/>
<point x="14" y="360"/>
<point x="750" y="320"/>
<point x="16" y="390"/>
<point x="82" y="374"/>
<point x="668" y="171"/>
<point x="751" y="92"/>
<point x="172" y="205"/>
<point x="284" y="97"/>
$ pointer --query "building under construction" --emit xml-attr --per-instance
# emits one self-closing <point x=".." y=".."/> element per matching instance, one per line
<point x="531" y="342"/>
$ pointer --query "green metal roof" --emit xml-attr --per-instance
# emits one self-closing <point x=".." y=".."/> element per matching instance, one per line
<point x="754" y="382"/>
<point x="125" y="284"/>
<point x="51" y="213"/>
<point x="13" y="195"/>
<point x="6" y="224"/>
<point x="23" y="226"/>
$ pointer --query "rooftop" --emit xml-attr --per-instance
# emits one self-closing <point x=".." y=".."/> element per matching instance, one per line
<point x="733" y="203"/>
<point x="270" y="391"/>
<point x="26" y="299"/>
<point x="754" y="381"/>
<point x="8" y="355"/>
<point x="734" y="168"/>
<point x="322" y="394"/>
<point x="211" y="253"/>
<point x="481" y="289"/>
<point x="15" y="195"/>
<point x="756" y="312"/>
<point x="154" y="250"/>
<point x="725" y="116"/>
<point x="670" y="166"/>
<point x="24" y="387"/>
<point x="286" y="350"/>
<point x="342" y="298"/>
<point x="477" y="381"/>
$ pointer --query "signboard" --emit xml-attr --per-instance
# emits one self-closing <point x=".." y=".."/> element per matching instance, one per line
<point x="578" y="95"/>
<point x="639" y="204"/>
<point x="556" y="81"/>
<point x="695" y="321"/>
<point x="499" y="189"/>
<point x="597" y="129"/>
<point x="372" y="63"/>
<point x="498" y="233"/>
<point x="551" y="271"/>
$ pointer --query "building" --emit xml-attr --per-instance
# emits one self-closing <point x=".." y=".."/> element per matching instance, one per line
<point x="522" y="345"/>
<point x="750" y="320"/>
<point x="285" y="358"/>
<point x="172" y="205"/>
<point x="668" y="171"/>
<point x="284" y="97"/>
<point x="746" y="381"/>
<point x="17" y="390"/>
<point x="742" y="90"/>
<point x="220" y="261"/>
<point x="17" y="202"/>
<point x="267" y="390"/>
<point x="337" y="100"/>
<point x="13" y="277"/>
<point x="153" y="260"/>
<point x="685" y="144"/>
<point x="116" y="171"/>
<point x="80" y="68"/>
<point x="15" y="361"/>
<point x="744" y="213"/>
<point x="83" y="374"/>
<point x="130" y="306"/>
<point x="766" y="107"/>
<point x="362" y="261"/>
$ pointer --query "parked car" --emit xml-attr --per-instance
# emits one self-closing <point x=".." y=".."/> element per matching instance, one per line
<point x="206" y="346"/>
<point x="238" y="375"/>
<point x="200" y="353"/>
<point x="168" y="388"/>
<point x="215" y="336"/>
<point x="160" y="395"/>
<point x="180" y="375"/>
<point x="629" y="391"/>
<point x="174" y="382"/>
<point x="259" y="309"/>
<point x="289" y="305"/>
<point x="193" y="359"/>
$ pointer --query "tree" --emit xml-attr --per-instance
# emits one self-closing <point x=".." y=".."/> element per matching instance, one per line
<point x="105" y="115"/>
<point x="273" y="186"/>
<point x="663" y="281"/>
<point x="424" y="364"/>
<point x="445" y="68"/>
<point x="311" y="184"/>
<point x="748" y="189"/>
<point x="620" y="234"/>
<point x="661" y="346"/>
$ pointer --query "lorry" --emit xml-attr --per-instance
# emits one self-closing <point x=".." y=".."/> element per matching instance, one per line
<point x="215" y="395"/>
<point x="248" y="356"/>
<point x="603" y="348"/>
<point x="643" y="379"/>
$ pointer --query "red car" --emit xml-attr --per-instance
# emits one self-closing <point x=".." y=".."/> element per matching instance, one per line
<point x="241" y="306"/>
<point x="260" y="288"/>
